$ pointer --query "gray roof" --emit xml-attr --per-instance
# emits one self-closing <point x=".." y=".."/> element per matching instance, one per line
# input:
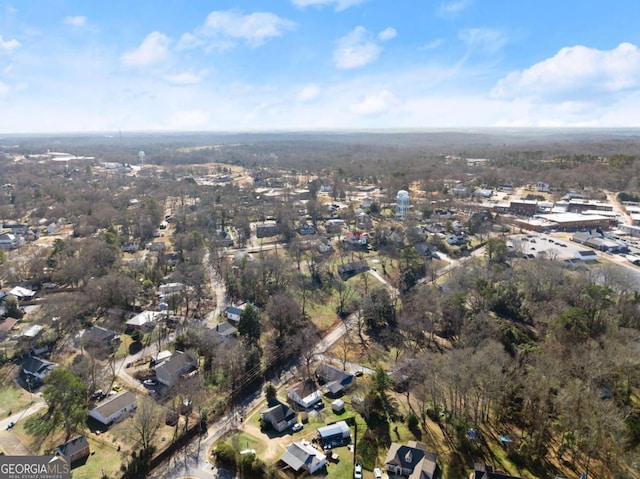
<point x="116" y="403"/>
<point x="278" y="414"/>
<point x="178" y="363"/>
<point x="339" y="428"/>
<point x="98" y="334"/>
<point x="413" y="457"/>
<point x="36" y="365"/>
<point x="299" y="456"/>
<point x="73" y="446"/>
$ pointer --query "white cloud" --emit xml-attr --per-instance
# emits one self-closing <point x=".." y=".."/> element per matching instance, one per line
<point x="340" y="5"/>
<point x="185" y="78"/>
<point x="76" y="21"/>
<point x="308" y="93"/>
<point x="435" y="43"/>
<point x="387" y="34"/>
<point x="223" y="29"/>
<point x="153" y="50"/>
<point x="7" y="46"/>
<point x="453" y="8"/>
<point x="483" y="39"/>
<point x="575" y="72"/>
<point x="355" y="50"/>
<point x="379" y="102"/>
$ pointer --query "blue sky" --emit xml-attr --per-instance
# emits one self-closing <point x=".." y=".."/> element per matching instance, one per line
<point x="68" y="66"/>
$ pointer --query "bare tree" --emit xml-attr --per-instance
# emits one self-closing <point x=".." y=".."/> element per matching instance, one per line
<point x="146" y="422"/>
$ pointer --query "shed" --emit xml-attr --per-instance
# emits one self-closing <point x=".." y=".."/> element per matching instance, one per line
<point x="337" y="406"/>
<point x="337" y="434"/>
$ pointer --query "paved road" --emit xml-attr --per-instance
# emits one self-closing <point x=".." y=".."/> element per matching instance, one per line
<point x="37" y="405"/>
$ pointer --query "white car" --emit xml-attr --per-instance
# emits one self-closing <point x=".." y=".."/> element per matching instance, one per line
<point x="357" y="474"/>
<point x="377" y="473"/>
<point x="296" y="427"/>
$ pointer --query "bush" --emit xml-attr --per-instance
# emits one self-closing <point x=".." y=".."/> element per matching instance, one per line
<point x="227" y="457"/>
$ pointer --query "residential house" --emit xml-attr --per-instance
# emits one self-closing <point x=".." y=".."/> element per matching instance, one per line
<point x="334" y="226"/>
<point x="482" y="471"/>
<point x="279" y="417"/>
<point x="75" y="449"/>
<point x="145" y="319"/>
<point x="542" y="187"/>
<point x="16" y="228"/>
<point x="170" y="370"/>
<point x="335" y="435"/>
<point x="305" y="395"/>
<point x="10" y="241"/>
<point x="267" y="229"/>
<point x="224" y="331"/>
<point x="97" y="337"/>
<point x="306" y="229"/>
<point x="335" y="381"/>
<point x="36" y="368"/>
<point x="483" y="193"/>
<point x="6" y="324"/>
<point x="363" y="221"/>
<point x="412" y="461"/>
<point x="346" y="271"/>
<point x="156" y="246"/>
<point x="114" y="408"/>
<point x="233" y="312"/>
<point x="23" y="294"/>
<point x="300" y="456"/>
<point x="169" y="288"/>
<point x="356" y="239"/>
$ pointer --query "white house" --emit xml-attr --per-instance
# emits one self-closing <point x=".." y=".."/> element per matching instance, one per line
<point x="305" y="395"/>
<point x="146" y="319"/>
<point x="302" y="456"/>
<point x="233" y="312"/>
<point x="113" y="408"/>
<point x="22" y="293"/>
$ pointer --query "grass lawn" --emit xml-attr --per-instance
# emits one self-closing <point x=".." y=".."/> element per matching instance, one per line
<point x="104" y="460"/>
<point x="12" y="398"/>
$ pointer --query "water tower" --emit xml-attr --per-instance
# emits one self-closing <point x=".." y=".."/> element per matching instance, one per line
<point x="402" y="204"/>
<point x="141" y="158"/>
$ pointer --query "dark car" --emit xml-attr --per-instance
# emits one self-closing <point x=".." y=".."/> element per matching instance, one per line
<point x="359" y="373"/>
<point x="10" y="425"/>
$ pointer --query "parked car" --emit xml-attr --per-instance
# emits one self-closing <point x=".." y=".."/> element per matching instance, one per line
<point x="117" y="388"/>
<point x="377" y="473"/>
<point x="357" y="473"/>
<point x="10" y="425"/>
<point x="296" y="427"/>
<point x="150" y="382"/>
<point x="359" y="373"/>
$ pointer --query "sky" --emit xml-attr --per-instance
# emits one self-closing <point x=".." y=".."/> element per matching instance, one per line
<point x="193" y="65"/>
